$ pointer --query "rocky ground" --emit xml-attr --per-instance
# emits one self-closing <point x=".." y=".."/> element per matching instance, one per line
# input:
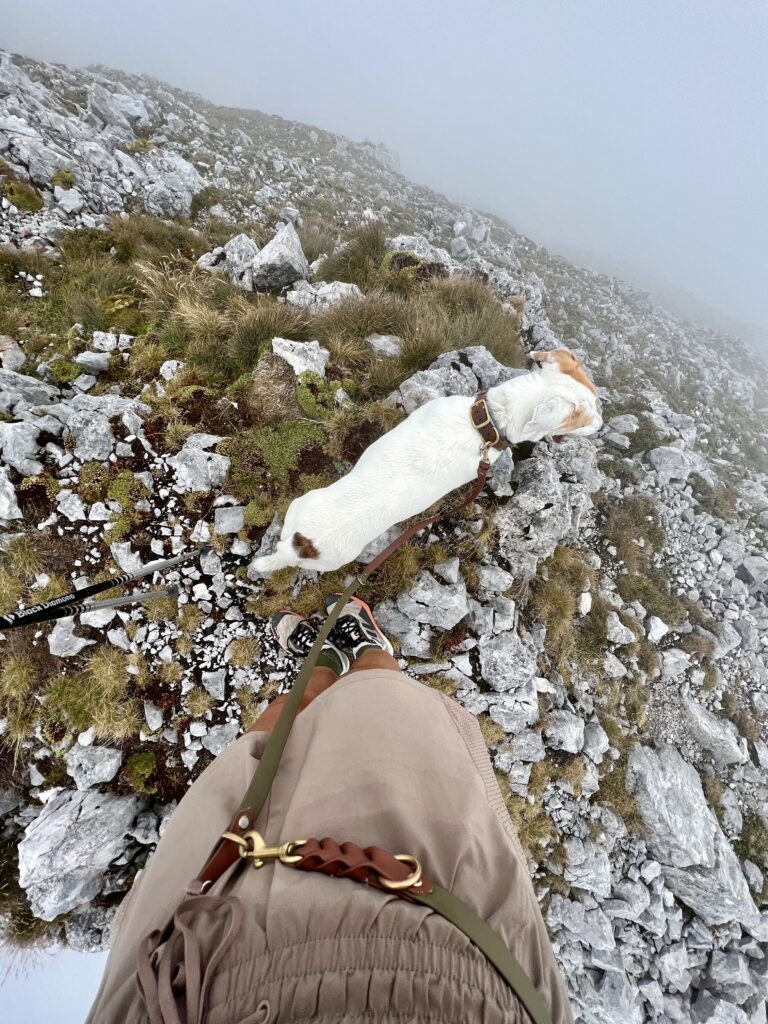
<point x="204" y="312"/>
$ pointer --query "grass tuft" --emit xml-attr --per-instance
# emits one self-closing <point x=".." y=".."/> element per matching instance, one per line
<point x="243" y="652"/>
<point x="198" y="702"/>
<point x="17" y="679"/>
<point x="358" y="259"/>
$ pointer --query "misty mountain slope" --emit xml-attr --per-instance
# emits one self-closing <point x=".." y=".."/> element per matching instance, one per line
<point x="602" y="609"/>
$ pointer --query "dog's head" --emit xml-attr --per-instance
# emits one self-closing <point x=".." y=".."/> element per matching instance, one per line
<point x="573" y="408"/>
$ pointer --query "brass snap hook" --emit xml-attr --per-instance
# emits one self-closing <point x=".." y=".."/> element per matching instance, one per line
<point x="252" y="845"/>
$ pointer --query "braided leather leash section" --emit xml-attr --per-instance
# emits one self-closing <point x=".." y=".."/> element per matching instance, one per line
<point x="370" y="865"/>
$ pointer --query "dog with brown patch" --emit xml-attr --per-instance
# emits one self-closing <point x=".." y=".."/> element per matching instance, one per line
<point x="435" y="450"/>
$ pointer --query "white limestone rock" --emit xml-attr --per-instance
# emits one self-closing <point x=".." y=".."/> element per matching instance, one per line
<point x="69" y="846"/>
<point x="62" y="641"/>
<point x="197" y="470"/>
<point x="506" y="663"/>
<point x="302" y="356"/>
<point x="90" y="766"/>
<point x="716" y="735"/>
<point x="433" y="603"/>
<point x="387" y="345"/>
<point x="280" y="262"/>
<point x="682" y="833"/>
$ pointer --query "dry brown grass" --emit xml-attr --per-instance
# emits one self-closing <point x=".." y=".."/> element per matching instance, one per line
<point x="103" y="697"/>
<point x="243" y="652"/>
<point x="446" y="686"/>
<point x="17" y="679"/>
<point x="613" y="792"/>
<point x="198" y="702"/>
<point x="249" y="706"/>
<point x="358" y="259"/>
<point x="318" y="238"/>
<point x="353" y="428"/>
<point x="736" y="709"/>
<point x="268" y="393"/>
<point x="169" y="672"/>
<point x="493" y="734"/>
<point x="10" y="592"/>
<point x="22" y="559"/>
<point x="189" y="617"/>
<point x="628" y="522"/>
<point x="553" y="595"/>
<point x="534" y="829"/>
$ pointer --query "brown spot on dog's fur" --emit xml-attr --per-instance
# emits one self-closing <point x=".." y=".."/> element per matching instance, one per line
<point x="304" y="547"/>
<point x="567" y="362"/>
<point x="580" y="417"/>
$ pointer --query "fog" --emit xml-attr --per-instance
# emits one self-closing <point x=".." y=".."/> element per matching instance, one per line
<point x="629" y="136"/>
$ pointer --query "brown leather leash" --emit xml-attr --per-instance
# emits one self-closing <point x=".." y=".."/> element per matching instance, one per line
<point x="399" y="874"/>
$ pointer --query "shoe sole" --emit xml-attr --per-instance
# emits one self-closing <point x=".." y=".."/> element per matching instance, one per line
<point x="388" y="648"/>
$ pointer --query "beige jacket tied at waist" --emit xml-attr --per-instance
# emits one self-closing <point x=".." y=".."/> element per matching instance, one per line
<point x="378" y="759"/>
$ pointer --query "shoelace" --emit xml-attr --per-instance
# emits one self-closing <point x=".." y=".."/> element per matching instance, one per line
<point x="303" y="637"/>
<point x="349" y="630"/>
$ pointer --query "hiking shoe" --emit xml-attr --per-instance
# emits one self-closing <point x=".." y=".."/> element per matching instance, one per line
<point x="356" y="627"/>
<point x="296" y="635"/>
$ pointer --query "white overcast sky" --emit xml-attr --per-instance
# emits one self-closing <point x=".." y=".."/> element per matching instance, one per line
<point x="632" y="129"/>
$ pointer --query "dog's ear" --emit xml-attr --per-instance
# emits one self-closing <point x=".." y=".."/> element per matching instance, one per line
<point x="549" y="417"/>
<point x="542" y="357"/>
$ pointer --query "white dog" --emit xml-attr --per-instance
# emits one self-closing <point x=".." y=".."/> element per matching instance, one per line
<point x="436" y="449"/>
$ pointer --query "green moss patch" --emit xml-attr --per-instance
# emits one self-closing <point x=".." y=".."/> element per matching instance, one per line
<point x="23" y="196"/>
<point x="139" y="771"/>
<point x="267" y="457"/>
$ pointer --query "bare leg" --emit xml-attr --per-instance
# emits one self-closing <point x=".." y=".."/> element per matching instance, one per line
<point x="371" y="658"/>
<point x="319" y="681"/>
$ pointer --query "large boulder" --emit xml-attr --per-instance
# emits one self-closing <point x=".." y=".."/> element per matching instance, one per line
<point x="68" y="848"/>
<point x="91" y="765"/>
<point x="670" y="464"/>
<point x="506" y="663"/>
<point x="683" y="835"/>
<point x="463" y="371"/>
<point x="198" y="470"/>
<point x="234" y="258"/>
<point x="716" y="735"/>
<point x="302" y="356"/>
<point x="322" y="295"/>
<point x="433" y="603"/>
<point x="19" y="447"/>
<point x="754" y="572"/>
<point x="19" y="389"/>
<point x="280" y="262"/>
<point x="539" y="516"/>
<point x="173" y="183"/>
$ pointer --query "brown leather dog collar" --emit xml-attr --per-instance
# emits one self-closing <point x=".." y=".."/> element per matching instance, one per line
<point x="483" y="421"/>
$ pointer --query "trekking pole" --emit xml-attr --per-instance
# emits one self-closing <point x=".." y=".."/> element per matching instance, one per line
<point x="137" y="597"/>
<point x="39" y="612"/>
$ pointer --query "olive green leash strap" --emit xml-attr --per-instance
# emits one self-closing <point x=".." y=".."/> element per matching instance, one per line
<point x="226" y="853"/>
<point x="256" y="795"/>
<point x="443" y="902"/>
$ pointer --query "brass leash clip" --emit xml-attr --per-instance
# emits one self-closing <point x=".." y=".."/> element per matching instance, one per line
<point x="252" y="845"/>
